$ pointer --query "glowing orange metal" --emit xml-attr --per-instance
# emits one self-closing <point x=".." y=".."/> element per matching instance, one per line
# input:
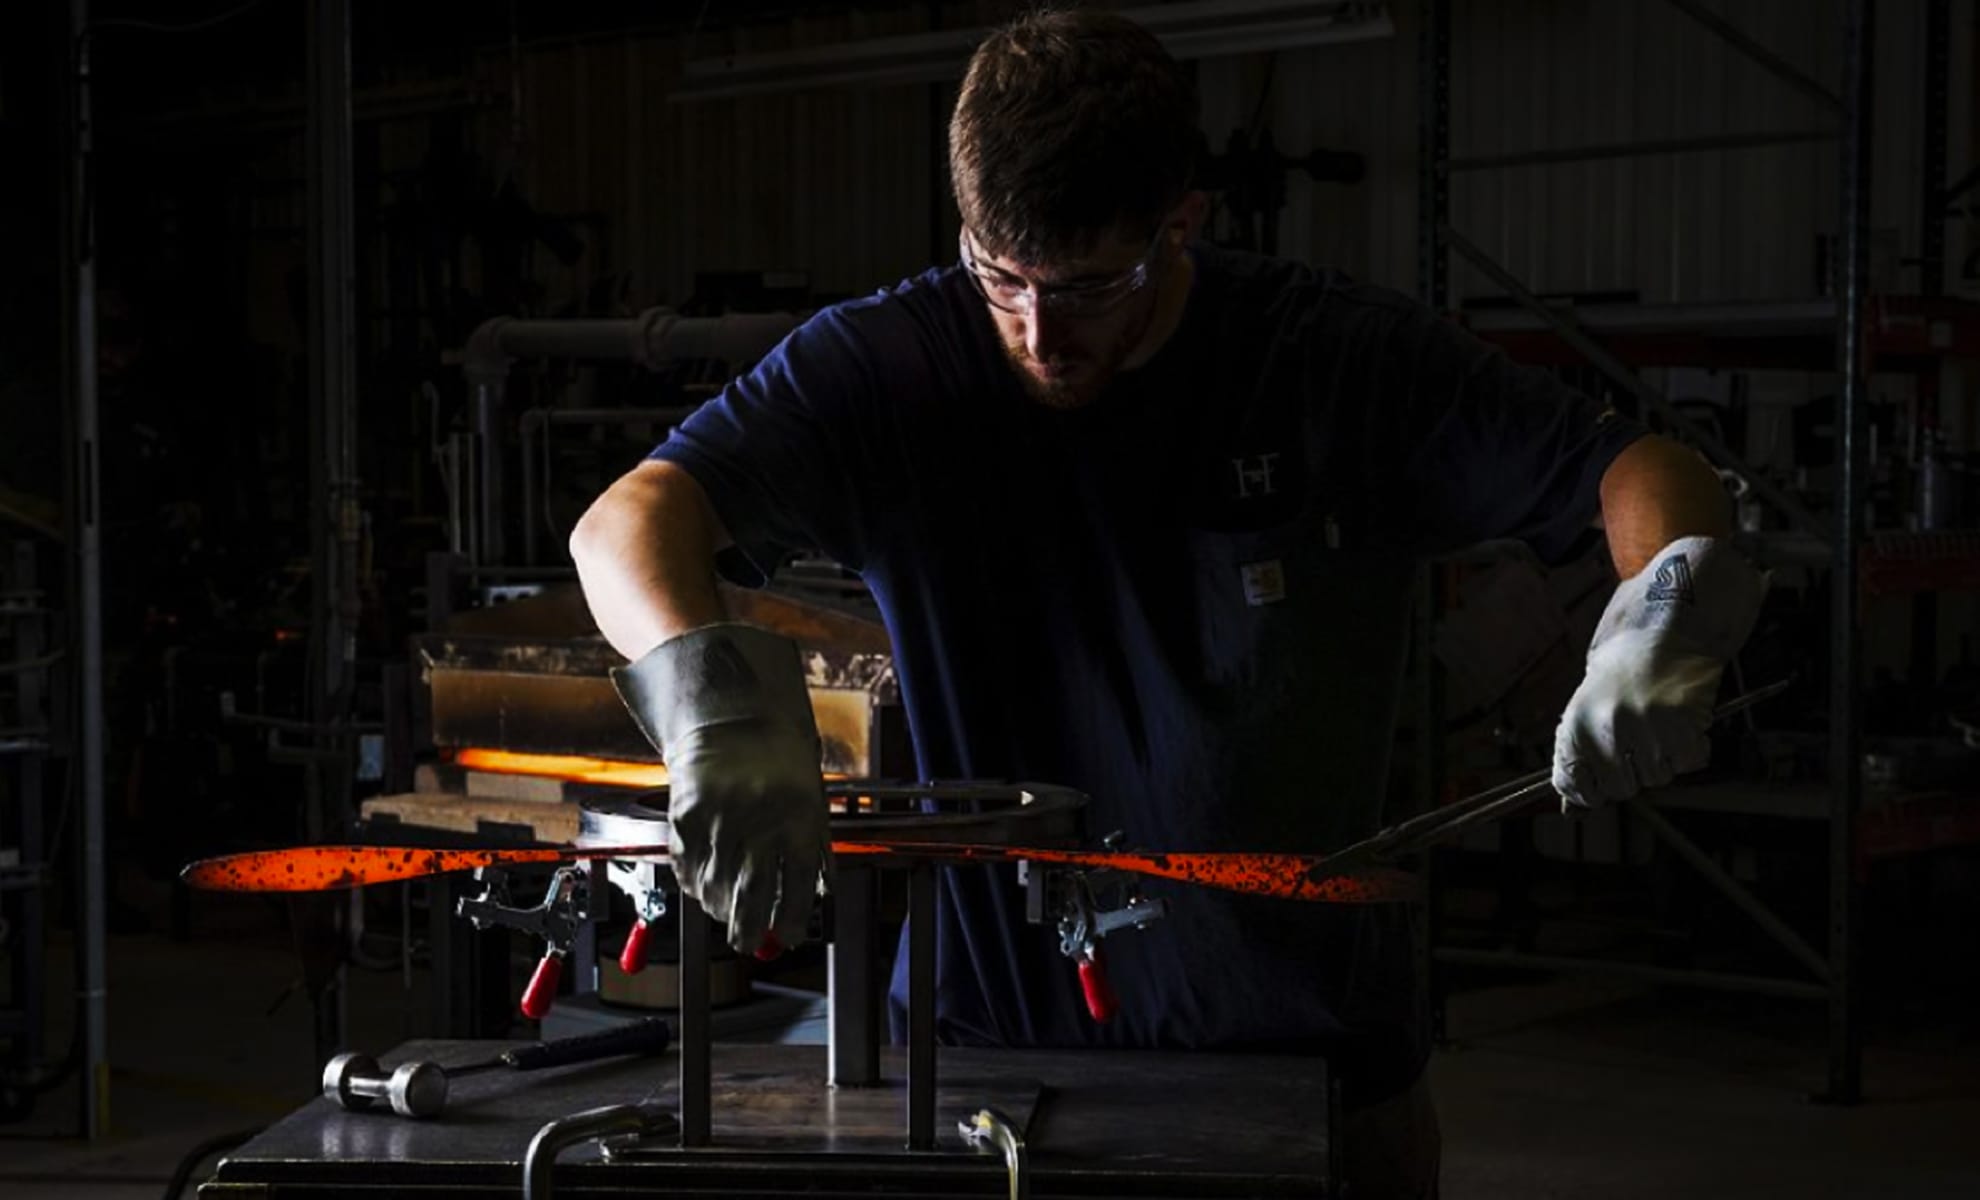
<point x="607" y="771"/>
<point x="1282" y="876"/>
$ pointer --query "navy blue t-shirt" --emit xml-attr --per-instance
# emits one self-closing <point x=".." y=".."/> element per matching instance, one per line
<point x="1189" y="600"/>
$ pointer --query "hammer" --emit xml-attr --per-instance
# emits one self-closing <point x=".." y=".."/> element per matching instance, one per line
<point x="419" y="1089"/>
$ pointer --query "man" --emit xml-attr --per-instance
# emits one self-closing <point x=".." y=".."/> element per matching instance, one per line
<point x="1141" y="516"/>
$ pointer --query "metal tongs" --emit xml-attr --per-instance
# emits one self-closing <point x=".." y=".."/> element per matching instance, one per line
<point x="1496" y="803"/>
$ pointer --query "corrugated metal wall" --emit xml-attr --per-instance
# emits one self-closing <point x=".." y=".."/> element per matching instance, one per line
<point x="846" y="184"/>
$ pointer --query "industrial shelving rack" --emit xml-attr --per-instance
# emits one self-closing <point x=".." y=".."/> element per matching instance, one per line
<point x="25" y="746"/>
<point x="1848" y="333"/>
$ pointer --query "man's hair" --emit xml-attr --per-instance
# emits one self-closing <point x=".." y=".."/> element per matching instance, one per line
<point x="1070" y="124"/>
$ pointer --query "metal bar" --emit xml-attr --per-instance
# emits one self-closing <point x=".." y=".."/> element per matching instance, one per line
<point x="86" y="537"/>
<point x="696" y="1063"/>
<point x="1959" y="188"/>
<point x="333" y="411"/>
<point x="921" y="1009"/>
<point x="489" y="469"/>
<point x="1729" y="887"/>
<point x="1576" y="154"/>
<point x="852" y="985"/>
<point x="30" y="939"/>
<point x="1773" y="63"/>
<point x="1433" y="183"/>
<point x="1852" y="451"/>
<point x="1568" y="331"/>
<point x="1932" y="221"/>
<point x="526" y="442"/>
<point x="1717" y="981"/>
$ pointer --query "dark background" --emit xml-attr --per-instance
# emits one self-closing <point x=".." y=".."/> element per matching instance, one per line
<point x="539" y="159"/>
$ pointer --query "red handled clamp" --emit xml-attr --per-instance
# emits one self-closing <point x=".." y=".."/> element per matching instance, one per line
<point x="640" y="882"/>
<point x="1089" y="904"/>
<point x="565" y="904"/>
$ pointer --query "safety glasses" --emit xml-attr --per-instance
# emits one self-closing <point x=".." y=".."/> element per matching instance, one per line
<point x="1087" y="299"/>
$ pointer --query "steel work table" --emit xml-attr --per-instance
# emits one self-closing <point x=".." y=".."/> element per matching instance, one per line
<point x="1097" y="1123"/>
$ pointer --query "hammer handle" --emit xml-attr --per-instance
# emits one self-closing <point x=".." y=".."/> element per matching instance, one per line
<point x="648" y="1036"/>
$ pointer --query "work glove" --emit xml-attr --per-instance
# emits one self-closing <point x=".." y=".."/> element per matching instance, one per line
<point x="727" y="708"/>
<point x="1639" y="717"/>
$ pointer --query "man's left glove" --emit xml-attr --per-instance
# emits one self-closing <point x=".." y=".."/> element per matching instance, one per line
<point x="727" y="708"/>
<point x="1639" y="717"/>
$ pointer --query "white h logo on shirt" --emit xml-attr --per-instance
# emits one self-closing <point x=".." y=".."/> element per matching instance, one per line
<point x="1255" y="474"/>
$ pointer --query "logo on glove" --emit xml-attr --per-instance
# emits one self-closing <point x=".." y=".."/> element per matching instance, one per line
<point x="1672" y="583"/>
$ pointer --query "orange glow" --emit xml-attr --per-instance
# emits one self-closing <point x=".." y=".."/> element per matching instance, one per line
<point x="607" y="771"/>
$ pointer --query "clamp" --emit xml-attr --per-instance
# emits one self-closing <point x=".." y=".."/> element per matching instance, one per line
<point x="1087" y="905"/>
<point x="565" y="906"/>
<point x="640" y="881"/>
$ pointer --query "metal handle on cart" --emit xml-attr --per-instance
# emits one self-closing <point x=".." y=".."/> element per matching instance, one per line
<point x="540" y="1161"/>
<point x="990" y="1130"/>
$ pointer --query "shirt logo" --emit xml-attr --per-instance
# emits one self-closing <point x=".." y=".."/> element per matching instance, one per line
<point x="1672" y="584"/>
<point x="1254" y="475"/>
<point x="1264" y="582"/>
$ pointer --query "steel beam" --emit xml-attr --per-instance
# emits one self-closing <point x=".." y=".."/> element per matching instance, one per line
<point x="1773" y="63"/>
<point x="1574" y="965"/>
<point x="1852" y="478"/>
<point x="1576" y="154"/>
<point x="1729" y="887"/>
<point x="86" y="540"/>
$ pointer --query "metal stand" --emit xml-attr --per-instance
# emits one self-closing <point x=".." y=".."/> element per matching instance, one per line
<point x="853" y="982"/>
<point x="695" y="1036"/>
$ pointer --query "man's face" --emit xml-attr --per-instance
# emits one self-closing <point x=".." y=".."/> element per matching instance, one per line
<point x="1068" y="326"/>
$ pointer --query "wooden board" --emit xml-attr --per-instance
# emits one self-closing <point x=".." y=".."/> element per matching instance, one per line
<point x="556" y="824"/>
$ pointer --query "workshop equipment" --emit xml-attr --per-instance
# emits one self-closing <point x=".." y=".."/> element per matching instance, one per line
<point x="842" y="1118"/>
<point x="418" y="1088"/>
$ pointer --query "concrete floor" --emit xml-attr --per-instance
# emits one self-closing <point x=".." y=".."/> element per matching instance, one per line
<point x="1563" y="1088"/>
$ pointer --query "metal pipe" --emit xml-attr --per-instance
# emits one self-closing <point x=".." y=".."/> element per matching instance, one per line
<point x="540" y="1160"/>
<point x="1852" y="475"/>
<point x="653" y="339"/>
<point x="1779" y="67"/>
<point x="1565" y="328"/>
<point x="1714" y="980"/>
<point x="1577" y="154"/>
<point x="533" y="431"/>
<point x="87" y="539"/>
<point x="1729" y="887"/>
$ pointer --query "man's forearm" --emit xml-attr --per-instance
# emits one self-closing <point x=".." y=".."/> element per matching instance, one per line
<point x="645" y="554"/>
<point x="1655" y="492"/>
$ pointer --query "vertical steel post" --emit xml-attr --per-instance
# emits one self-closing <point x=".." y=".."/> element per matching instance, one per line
<point x="333" y="500"/>
<point x="853" y="984"/>
<point x="1932" y="188"/>
<point x="1433" y="66"/>
<point x="695" y="1035"/>
<point x="86" y="539"/>
<point x="1433" y="151"/>
<point x="921" y="1008"/>
<point x="1852" y="453"/>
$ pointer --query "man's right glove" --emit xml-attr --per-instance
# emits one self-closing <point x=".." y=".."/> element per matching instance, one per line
<point x="727" y="708"/>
